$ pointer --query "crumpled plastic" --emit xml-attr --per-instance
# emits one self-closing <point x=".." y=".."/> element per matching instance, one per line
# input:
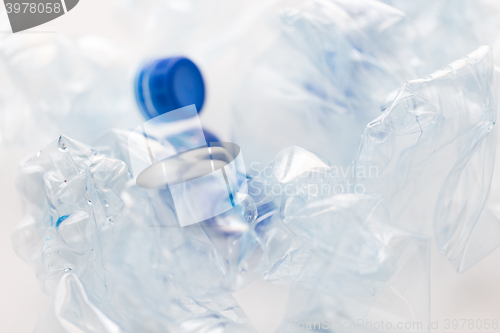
<point x="434" y="149"/>
<point x="112" y="255"/>
<point x="326" y="76"/>
<point x="358" y="269"/>
<point x="114" y="252"/>
<point x="340" y="255"/>
<point x="114" y="259"/>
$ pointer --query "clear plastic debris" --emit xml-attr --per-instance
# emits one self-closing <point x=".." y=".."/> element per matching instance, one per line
<point x="323" y="80"/>
<point x="339" y="253"/>
<point x="116" y="254"/>
<point x="349" y="233"/>
<point x="434" y="149"/>
<point x="116" y="251"/>
<point x="356" y="269"/>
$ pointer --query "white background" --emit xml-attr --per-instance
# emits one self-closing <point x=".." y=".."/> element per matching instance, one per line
<point x="473" y="295"/>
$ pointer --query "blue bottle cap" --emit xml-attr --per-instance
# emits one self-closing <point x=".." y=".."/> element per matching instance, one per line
<point x="167" y="84"/>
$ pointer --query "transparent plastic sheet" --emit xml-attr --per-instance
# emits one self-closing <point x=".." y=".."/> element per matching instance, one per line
<point x="344" y="262"/>
<point x="131" y="267"/>
<point x="434" y="148"/>
<point x="323" y="79"/>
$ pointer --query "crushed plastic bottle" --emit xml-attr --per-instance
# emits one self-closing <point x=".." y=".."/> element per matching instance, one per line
<point x="434" y="149"/>
<point x="355" y="267"/>
<point x="114" y="250"/>
<point x="339" y="253"/>
<point x="114" y="256"/>
<point x="324" y="78"/>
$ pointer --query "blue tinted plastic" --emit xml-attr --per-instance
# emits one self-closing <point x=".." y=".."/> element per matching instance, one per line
<point x="210" y="137"/>
<point x="167" y="84"/>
